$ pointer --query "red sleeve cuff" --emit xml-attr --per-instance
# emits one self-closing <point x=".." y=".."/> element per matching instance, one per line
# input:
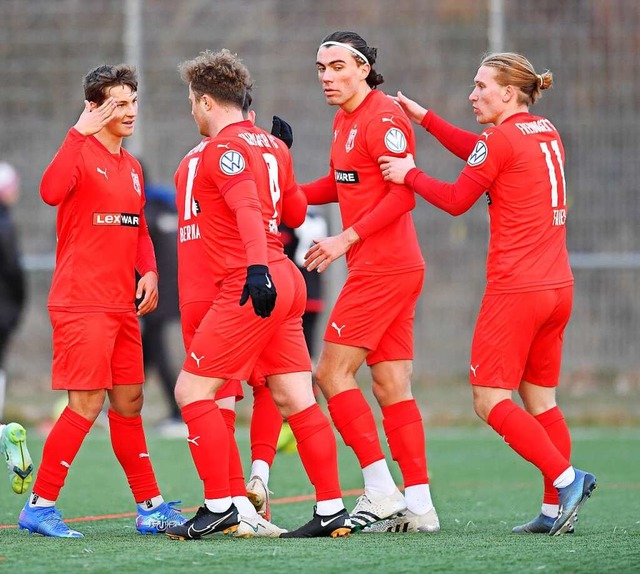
<point x="410" y="178"/>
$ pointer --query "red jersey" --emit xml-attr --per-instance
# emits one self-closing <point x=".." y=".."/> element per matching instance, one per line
<point x="194" y="268"/>
<point x="244" y="185"/>
<point x="378" y="211"/>
<point x="521" y="165"/>
<point x="102" y="233"/>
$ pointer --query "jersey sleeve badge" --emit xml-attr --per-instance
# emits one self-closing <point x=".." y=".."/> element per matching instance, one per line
<point x="232" y="162"/>
<point x="395" y="140"/>
<point x="479" y="154"/>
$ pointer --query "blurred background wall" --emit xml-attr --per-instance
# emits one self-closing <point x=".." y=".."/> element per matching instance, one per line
<point x="430" y="49"/>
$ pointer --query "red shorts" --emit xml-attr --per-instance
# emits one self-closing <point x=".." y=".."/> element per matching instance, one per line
<point x="377" y="312"/>
<point x="232" y="342"/>
<point x="191" y="315"/>
<point x="95" y="350"/>
<point x="518" y="337"/>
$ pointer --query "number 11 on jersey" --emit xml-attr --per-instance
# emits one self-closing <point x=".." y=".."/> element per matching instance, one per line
<point x="558" y="185"/>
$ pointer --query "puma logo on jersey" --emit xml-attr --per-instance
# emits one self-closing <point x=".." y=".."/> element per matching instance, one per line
<point x="338" y="329"/>
<point x="487" y="134"/>
<point x="388" y="120"/>
<point x="143" y="455"/>
<point x="194" y="440"/>
<point x="473" y="369"/>
<point x="226" y="146"/>
<point x="197" y="359"/>
<point x="103" y="172"/>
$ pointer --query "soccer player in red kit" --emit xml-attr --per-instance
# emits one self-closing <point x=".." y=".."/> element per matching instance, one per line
<point x="374" y="315"/>
<point x="517" y="345"/>
<point x="197" y="293"/>
<point x="244" y="186"/>
<point x="97" y="351"/>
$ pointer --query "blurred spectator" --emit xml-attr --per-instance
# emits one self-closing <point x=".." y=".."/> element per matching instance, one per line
<point x="12" y="280"/>
<point x="162" y="219"/>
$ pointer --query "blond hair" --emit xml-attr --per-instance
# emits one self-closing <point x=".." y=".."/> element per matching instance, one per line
<point x="515" y="70"/>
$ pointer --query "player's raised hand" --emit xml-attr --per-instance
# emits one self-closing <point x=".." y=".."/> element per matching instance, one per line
<point x="282" y="130"/>
<point x="93" y="119"/>
<point x="413" y="109"/>
<point x="394" y="169"/>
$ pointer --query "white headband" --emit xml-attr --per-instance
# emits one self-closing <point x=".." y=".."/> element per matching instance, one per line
<point x="348" y="47"/>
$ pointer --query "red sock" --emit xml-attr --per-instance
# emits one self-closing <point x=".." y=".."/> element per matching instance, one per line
<point x="209" y="444"/>
<point x="354" y="420"/>
<point x="266" y="422"/>
<point x="318" y="450"/>
<point x="524" y="434"/>
<point x="130" y="447"/>
<point x="553" y="422"/>
<point x="236" y="476"/>
<point x="60" y="448"/>
<point x="405" y="433"/>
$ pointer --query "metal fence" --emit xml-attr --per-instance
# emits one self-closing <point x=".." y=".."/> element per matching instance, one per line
<point x="428" y="48"/>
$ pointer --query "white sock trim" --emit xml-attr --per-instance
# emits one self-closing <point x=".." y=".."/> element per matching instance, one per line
<point x="244" y="506"/>
<point x="329" y="507"/>
<point x="565" y="479"/>
<point x="378" y="479"/>
<point x="260" y="468"/>
<point x="418" y="498"/>
<point x="218" y="504"/>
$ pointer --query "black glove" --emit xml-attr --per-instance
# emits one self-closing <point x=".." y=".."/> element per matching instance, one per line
<point x="259" y="286"/>
<point x="282" y="130"/>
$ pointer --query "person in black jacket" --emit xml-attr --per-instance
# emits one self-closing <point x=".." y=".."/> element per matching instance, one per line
<point x="13" y="439"/>
<point x="12" y="280"/>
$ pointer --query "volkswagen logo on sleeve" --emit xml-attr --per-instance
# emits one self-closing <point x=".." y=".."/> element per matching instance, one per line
<point x="395" y="141"/>
<point x="232" y="162"/>
<point x="479" y="154"/>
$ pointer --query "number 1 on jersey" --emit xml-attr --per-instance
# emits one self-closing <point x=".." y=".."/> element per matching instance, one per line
<point x="189" y="203"/>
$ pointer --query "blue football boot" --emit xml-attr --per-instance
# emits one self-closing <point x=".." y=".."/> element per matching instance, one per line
<point x="157" y="520"/>
<point x="46" y="521"/>
<point x="572" y="498"/>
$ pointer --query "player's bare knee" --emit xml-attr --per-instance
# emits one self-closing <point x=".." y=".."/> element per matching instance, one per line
<point x="537" y="399"/>
<point x="88" y="404"/>
<point x="291" y="394"/>
<point x="391" y="392"/>
<point x="332" y="381"/>
<point x="480" y="411"/>
<point x="481" y="405"/>
<point x="126" y="400"/>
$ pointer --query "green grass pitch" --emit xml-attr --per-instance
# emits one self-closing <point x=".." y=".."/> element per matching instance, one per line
<point x="480" y="487"/>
